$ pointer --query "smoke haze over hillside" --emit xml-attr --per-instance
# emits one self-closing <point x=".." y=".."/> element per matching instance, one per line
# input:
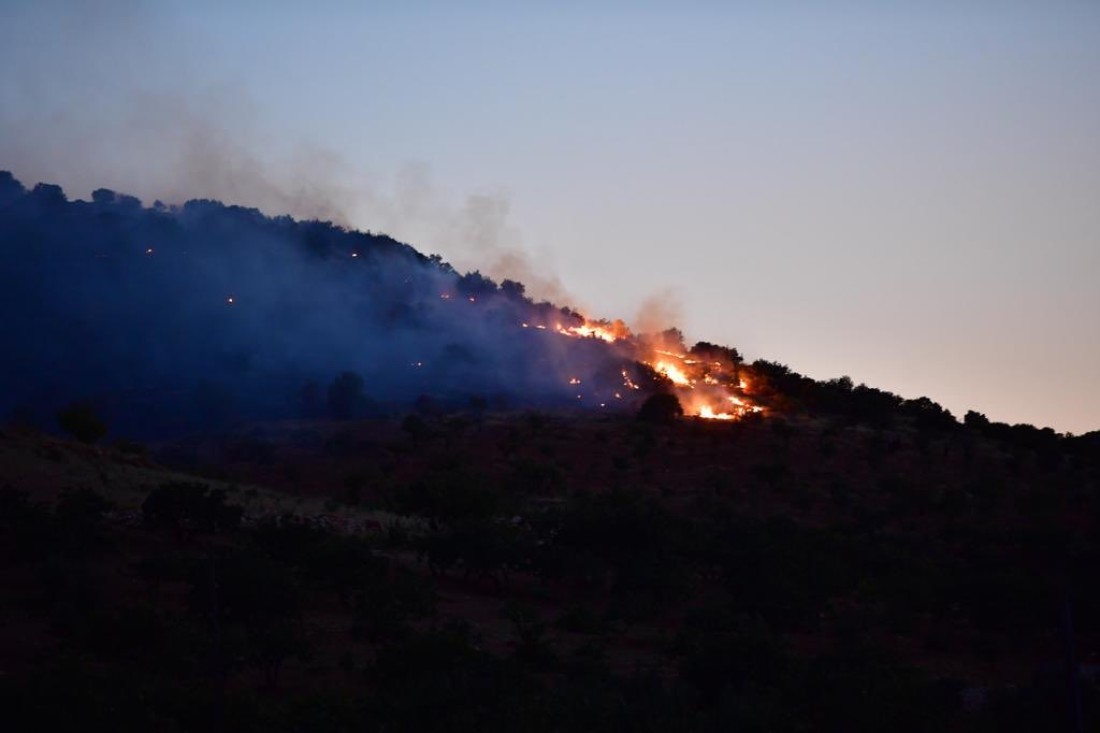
<point x="185" y="317"/>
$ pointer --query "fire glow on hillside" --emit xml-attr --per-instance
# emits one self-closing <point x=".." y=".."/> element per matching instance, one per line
<point x="707" y="388"/>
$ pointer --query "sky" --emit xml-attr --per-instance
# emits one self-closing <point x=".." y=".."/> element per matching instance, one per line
<point x="905" y="193"/>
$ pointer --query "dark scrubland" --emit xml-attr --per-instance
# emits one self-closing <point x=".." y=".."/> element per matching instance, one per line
<point x="551" y="571"/>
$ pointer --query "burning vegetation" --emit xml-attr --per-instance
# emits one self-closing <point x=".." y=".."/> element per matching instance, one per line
<point x="706" y="379"/>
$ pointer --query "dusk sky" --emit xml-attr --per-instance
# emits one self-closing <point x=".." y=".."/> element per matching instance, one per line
<point x="906" y="193"/>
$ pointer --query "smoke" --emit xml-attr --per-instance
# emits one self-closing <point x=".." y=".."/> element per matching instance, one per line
<point x="483" y="233"/>
<point x="176" y="319"/>
<point x="172" y="148"/>
<point x="115" y="96"/>
<point x="659" y="312"/>
<point x="186" y="152"/>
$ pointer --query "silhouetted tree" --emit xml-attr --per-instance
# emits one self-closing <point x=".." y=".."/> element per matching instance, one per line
<point x="10" y="188"/>
<point x="103" y="196"/>
<point x="415" y="426"/>
<point x="661" y="407"/>
<point x="474" y="284"/>
<point x="48" y="194"/>
<point x="512" y="289"/>
<point x="345" y="396"/>
<point x="975" y="420"/>
<point x="714" y="352"/>
<point x="929" y="415"/>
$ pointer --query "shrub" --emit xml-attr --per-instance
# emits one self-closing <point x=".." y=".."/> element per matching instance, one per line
<point x="181" y="505"/>
<point x="660" y="408"/>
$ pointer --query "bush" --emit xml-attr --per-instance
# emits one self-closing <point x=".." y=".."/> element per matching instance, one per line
<point x="190" y="506"/>
<point x="660" y="408"/>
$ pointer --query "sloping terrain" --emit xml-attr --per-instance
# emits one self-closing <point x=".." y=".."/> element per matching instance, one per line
<point x="796" y="573"/>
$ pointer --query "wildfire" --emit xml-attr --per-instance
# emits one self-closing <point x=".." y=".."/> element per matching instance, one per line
<point x="707" y="388"/>
<point x="674" y="373"/>
<point x="610" y="334"/>
<point x="628" y="383"/>
<point x="711" y="390"/>
<point x="706" y="411"/>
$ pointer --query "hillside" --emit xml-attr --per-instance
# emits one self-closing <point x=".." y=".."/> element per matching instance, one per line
<point x="326" y="482"/>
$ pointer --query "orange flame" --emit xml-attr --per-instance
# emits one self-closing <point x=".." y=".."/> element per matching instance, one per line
<point x="700" y="385"/>
<point x="673" y="372"/>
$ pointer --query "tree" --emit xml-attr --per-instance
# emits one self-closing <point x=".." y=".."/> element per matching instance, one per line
<point x="512" y="289"/>
<point x="707" y="350"/>
<point x="661" y="407"/>
<point x="416" y="427"/>
<point x="10" y="188"/>
<point x="975" y="419"/>
<point x="474" y="284"/>
<point x="103" y="196"/>
<point x="345" y="396"/>
<point x="49" y="194"/>
<point x="80" y="420"/>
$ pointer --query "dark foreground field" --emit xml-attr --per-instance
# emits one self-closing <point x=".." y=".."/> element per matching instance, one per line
<point x="549" y="572"/>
